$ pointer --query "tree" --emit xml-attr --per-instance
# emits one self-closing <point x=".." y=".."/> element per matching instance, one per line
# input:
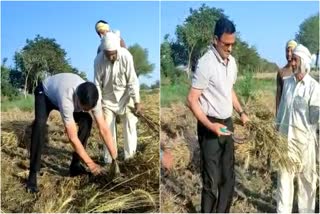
<point x="140" y="59"/>
<point x="196" y="32"/>
<point x="308" y="34"/>
<point x="167" y="67"/>
<point x="144" y="86"/>
<point x="6" y="87"/>
<point x="155" y="85"/>
<point x="39" y="58"/>
<point x="247" y="57"/>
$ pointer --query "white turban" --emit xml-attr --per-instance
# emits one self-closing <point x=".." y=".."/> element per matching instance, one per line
<point x="304" y="55"/>
<point x="110" y="42"/>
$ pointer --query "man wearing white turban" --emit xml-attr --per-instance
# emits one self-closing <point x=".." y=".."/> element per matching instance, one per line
<point x="118" y="85"/>
<point x="285" y="72"/>
<point x="297" y="118"/>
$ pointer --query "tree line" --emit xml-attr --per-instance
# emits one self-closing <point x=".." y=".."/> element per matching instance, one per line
<point x="194" y="35"/>
<point x="42" y="57"/>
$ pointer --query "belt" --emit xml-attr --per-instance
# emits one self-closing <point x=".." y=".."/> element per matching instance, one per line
<point x="223" y="121"/>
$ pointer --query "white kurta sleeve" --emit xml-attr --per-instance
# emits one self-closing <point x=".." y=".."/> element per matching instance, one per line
<point x="132" y="80"/>
<point x="314" y="105"/>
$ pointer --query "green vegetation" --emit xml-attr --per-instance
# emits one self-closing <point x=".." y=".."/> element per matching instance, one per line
<point x="41" y="57"/>
<point x="174" y="92"/>
<point x="308" y="34"/>
<point x="140" y="59"/>
<point x="21" y="103"/>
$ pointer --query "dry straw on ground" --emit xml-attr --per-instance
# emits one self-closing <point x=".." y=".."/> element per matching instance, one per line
<point x="136" y="191"/>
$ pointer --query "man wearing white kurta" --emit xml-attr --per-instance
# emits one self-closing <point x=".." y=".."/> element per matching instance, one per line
<point x="298" y="117"/>
<point x="115" y="76"/>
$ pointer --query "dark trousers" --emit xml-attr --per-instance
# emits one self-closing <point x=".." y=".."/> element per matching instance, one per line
<point x="217" y="168"/>
<point x="43" y="107"/>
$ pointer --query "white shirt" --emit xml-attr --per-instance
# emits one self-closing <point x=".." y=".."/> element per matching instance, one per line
<point x="216" y="79"/>
<point x="298" y="116"/>
<point x="117" y="82"/>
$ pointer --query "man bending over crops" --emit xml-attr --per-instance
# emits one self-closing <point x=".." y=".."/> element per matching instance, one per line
<point x="211" y="99"/>
<point x="102" y="28"/>
<point x="298" y="117"/>
<point x="118" y="84"/>
<point x="285" y="72"/>
<point x="74" y="98"/>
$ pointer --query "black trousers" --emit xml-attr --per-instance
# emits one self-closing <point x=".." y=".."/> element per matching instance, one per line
<point x="43" y="107"/>
<point x="217" y="168"/>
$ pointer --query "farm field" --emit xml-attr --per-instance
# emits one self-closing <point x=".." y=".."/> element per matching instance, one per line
<point x="136" y="191"/>
<point x="256" y="180"/>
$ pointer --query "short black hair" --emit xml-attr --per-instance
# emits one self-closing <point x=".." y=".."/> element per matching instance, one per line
<point x="100" y="21"/>
<point x="224" y="25"/>
<point x="88" y="94"/>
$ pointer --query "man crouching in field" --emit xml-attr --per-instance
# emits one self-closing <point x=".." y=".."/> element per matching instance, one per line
<point x="73" y="98"/>
<point x="298" y="116"/>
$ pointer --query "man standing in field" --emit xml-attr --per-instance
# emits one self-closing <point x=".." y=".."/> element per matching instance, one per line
<point x="73" y="98"/>
<point x="211" y="99"/>
<point x="285" y="72"/>
<point x="102" y="28"/>
<point x="298" y="117"/>
<point x="118" y="84"/>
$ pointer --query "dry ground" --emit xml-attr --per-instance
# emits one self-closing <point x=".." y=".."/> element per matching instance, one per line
<point x="137" y="191"/>
<point x="181" y="188"/>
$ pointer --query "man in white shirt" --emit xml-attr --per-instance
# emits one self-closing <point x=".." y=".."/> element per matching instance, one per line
<point x="118" y="84"/>
<point x="297" y="118"/>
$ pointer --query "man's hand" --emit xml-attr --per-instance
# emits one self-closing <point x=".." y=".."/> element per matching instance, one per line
<point x="167" y="159"/>
<point x="244" y="118"/>
<point x="94" y="168"/>
<point x="137" y="108"/>
<point x="216" y="128"/>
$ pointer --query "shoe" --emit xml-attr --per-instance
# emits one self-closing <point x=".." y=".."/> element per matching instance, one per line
<point x="76" y="170"/>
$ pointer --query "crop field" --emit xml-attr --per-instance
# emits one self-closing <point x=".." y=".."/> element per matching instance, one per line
<point x="136" y="191"/>
<point x="256" y="160"/>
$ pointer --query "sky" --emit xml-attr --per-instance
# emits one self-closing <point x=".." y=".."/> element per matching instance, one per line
<point x="72" y="25"/>
<point x="266" y="25"/>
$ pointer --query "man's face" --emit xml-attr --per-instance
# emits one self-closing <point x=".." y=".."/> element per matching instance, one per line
<point x="224" y="44"/>
<point x="289" y="51"/>
<point x="296" y="64"/>
<point x="85" y="108"/>
<point x="111" y="55"/>
<point x="297" y="67"/>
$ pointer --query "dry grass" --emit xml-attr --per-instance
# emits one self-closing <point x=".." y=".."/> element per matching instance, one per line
<point x="256" y="178"/>
<point x="136" y="191"/>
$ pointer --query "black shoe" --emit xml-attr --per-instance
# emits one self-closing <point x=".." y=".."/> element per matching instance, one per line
<point x="78" y="169"/>
<point x="32" y="188"/>
<point x="32" y="183"/>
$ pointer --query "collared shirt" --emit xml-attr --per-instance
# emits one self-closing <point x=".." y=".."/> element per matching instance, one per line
<point x="117" y="82"/>
<point x="299" y="105"/>
<point x="216" y="79"/>
<point x="61" y="91"/>
<point x="298" y="116"/>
